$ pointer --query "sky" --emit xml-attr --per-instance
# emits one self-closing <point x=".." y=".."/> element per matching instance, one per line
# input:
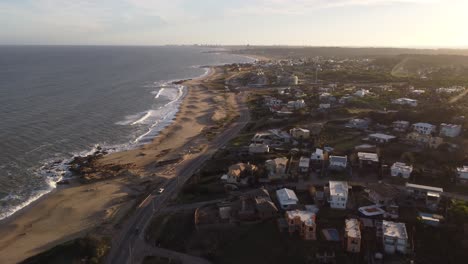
<point x="388" y="23"/>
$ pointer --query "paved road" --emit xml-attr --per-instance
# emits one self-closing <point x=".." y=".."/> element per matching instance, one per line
<point x="133" y="232"/>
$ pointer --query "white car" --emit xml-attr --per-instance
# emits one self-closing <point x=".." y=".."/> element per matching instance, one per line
<point x="161" y="190"/>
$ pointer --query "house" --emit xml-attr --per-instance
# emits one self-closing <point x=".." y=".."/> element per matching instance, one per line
<point x="406" y="101"/>
<point x="345" y="99"/>
<point x="358" y="123"/>
<point x="238" y="173"/>
<point x="450" y="130"/>
<point x="462" y="175"/>
<point x="383" y="194"/>
<point x="324" y="106"/>
<point x="287" y="199"/>
<point x="425" y="140"/>
<point x="263" y="138"/>
<point x="303" y="222"/>
<point x="298" y="104"/>
<point x="418" y="92"/>
<point x="300" y="133"/>
<point x="361" y="93"/>
<point x="400" y="169"/>
<point x="400" y="126"/>
<point x="338" y="194"/>
<point x="381" y="138"/>
<point x="395" y="237"/>
<point x="451" y="90"/>
<point x="259" y="148"/>
<point x="424" y="128"/>
<point x="366" y="158"/>
<point x="276" y="168"/>
<point x="352" y="235"/>
<point x="432" y="195"/>
<point x="338" y="162"/>
<point x="272" y="101"/>
<point x="324" y="97"/>
<point x="304" y="165"/>
<point x="317" y="156"/>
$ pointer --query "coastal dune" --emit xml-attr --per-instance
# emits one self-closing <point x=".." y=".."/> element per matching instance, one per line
<point x="96" y="207"/>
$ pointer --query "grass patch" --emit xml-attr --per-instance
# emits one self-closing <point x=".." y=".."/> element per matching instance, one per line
<point x="170" y="231"/>
<point x="81" y="250"/>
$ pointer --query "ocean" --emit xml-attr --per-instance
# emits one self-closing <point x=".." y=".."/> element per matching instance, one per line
<point x="57" y="102"/>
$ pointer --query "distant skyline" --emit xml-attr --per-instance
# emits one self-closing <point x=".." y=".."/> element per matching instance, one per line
<point x="354" y="23"/>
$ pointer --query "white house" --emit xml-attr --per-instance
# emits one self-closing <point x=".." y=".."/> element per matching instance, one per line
<point x="338" y="162"/>
<point x="338" y="194"/>
<point x="400" y="126"/>
<point x="300" y="133"/>
<point x="450" y="130"/>
<point x="304" y="163"/>
<point x="462" y="175"/>
<point x="324" y="106"/>
<point x="381" y="138"/>
<point x="287" y="199"/>
<point x="298" y="104"/>
<point x="361" y="93"/>
<point x="406" y="101"/>
<point x="259" y="148"/>
<point x="400" y="169"/>
<point x="424" y="128"/>
<point x="317" y="156"/>
<point x="395" y="237"/>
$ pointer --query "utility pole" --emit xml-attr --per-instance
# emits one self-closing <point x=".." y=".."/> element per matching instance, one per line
<point x="130" y="253"/>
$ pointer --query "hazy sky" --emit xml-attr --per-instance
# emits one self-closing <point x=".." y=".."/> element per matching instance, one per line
<point x="292" y="22"/>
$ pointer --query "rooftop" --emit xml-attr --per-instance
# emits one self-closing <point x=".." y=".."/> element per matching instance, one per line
<point x="305" y="216"/>
<point x="463" y="169"/>
<point x="352" y="228"/>
<point x="368" y="156"/>
<point x="382" y="136"/>
<point x="286" y="196"/>
<point x="402" y="166"/>
<point x="339" y="188"/>
<point x="393" y="229"/>
<point x="424" y="187"/>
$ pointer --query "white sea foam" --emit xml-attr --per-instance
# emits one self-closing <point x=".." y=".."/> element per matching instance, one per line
<point x="156" y="120"/>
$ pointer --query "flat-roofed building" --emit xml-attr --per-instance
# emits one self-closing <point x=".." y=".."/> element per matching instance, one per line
<point x="303" y="222"/>
<point x="395" y="237"/>
<point x="338" y="194"/>
<point x="353" y="235"/>
<point x="450" y="130"/>
<point x="400" y="169"/>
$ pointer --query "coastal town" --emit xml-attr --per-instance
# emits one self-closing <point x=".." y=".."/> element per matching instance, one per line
<point x="331" y="172"/>
<point x="305" y="160"/>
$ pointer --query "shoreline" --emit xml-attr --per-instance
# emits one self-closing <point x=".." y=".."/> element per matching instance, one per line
<point x="42" y="194"/>
<point x="70" y="211"/>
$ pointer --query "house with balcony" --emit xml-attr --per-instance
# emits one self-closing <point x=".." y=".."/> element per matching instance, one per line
<point x="352" y="235"/>
<point x="424" y="128"/>
<point x="394" y="237"/>
<point x="338" y="194"/>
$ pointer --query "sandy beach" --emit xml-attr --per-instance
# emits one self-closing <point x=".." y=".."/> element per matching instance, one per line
<point x="78" y="209"/>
